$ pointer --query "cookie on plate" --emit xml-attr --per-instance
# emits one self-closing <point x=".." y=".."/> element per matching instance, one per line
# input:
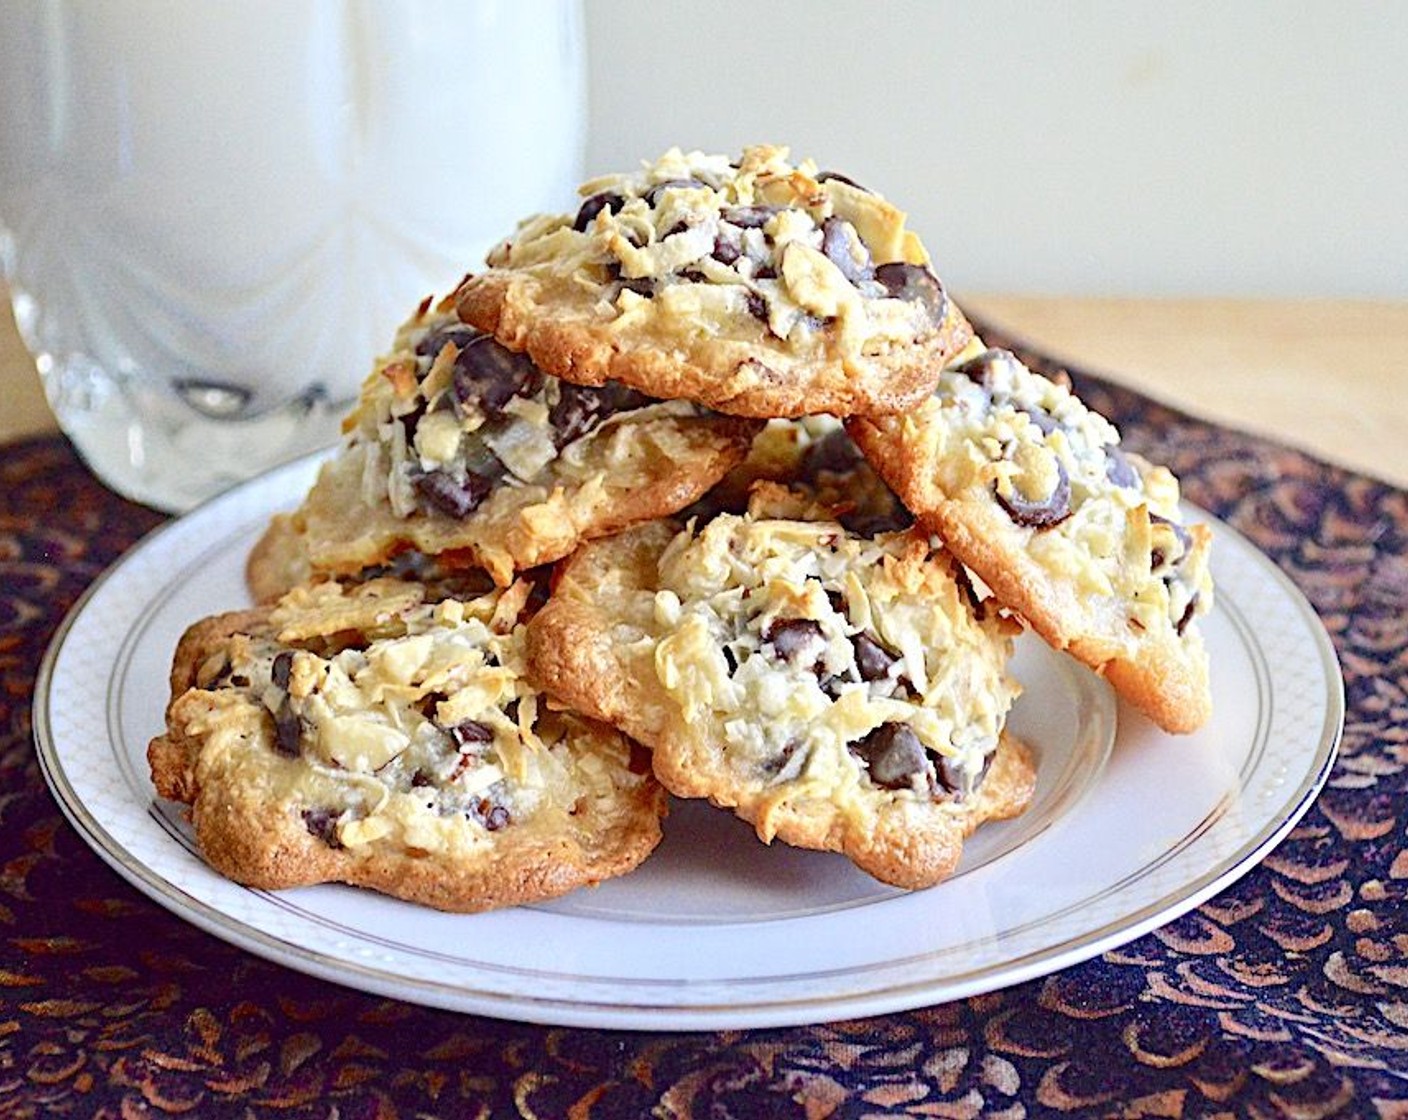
<point x="839" y="693"/>
<point x="461" y="450"/>
<point x="370" y="735"/>
<point x="1030" y="489"/>
<point x="756" y="287"/>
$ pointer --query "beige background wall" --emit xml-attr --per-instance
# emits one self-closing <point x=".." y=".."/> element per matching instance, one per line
<point x="1253" y="148"/>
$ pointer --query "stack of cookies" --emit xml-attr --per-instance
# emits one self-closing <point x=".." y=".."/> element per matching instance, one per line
<point x="706" y="488"/>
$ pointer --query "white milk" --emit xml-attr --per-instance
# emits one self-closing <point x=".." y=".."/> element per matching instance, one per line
<point x="219" y="213"/>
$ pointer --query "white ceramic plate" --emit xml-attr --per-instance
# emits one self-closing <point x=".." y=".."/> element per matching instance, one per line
<point x="715" y="930"/>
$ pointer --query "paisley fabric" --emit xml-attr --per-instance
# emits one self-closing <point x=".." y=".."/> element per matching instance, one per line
<point x="1285" y="995"/>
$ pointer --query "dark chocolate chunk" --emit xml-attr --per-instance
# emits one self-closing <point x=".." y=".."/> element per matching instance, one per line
<point x="435" y="341"/>
<point x="749" y="217"/>
<point x="441" y="491"/>
<point x="1042" y="513"/>
<point x="978" y="369"/>
<point x="580" y="408"/>
<point x="606" y="200"/>
<point x="872" y="524"/>
<point x="282" y="668"/>
<point x="917" y="284"/>
<point x="827" y="176"/>
<point x="652" y="196"/>
<point x="288" y="730"/>
<point x="872" y="659"/>
<point x="491" y="375"/>
<point x="844" y="248"/>
<point x="471" y="735"/>
<point x="642" y="286"/>
<point x="797" y="640"/>
<point x="1118" y="468"/>
<point x="893" y="755"/>
<point x="322" y="823"/>
<point x="1188" y="612"/>
<point x="1157" y="559"/>
<point x="964" y="579"/>
<point x="727" y="247"/>
<point x="757" y="306"/>
<point x="950" y="778"/>
<point x="493" y="817"/>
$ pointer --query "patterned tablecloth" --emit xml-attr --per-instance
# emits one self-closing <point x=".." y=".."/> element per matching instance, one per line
<point x="1285" y="995"/>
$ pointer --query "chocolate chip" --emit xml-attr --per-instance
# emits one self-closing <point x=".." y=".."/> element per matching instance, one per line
<point x="828" y="176"/>
<point x="871" y="524"/>
<point x="288" y="730"/>
<point x="844" y="248"/>
<point x="964" y="581"/>
<point x="757" y="306"/>
<point x="1157" y="559"/>
<point x="1118" y="469"/>
<point x="950" y="778"/>
<point x="491" y="375"/>
<point x="471" y="735"/>
<point x="749" y="217"/>
<point x="435" y="341"/>
<point x="282" y="668"/>
<point x="441" y="491"/>
<point x="492" y="817"/>
<point x="797" y="640"/>
<point x="1187" y="616"/>
<point x="580" y="408"/>
<point x="872" y="659"/>
<point x="727" y="247"/>
<point x="1042" y="513"/>
<point x="606" y="200"/>
<point x="893" y="755"/>
<point x="978" y="369"/>
<point x="322" y="823"/>
<point x="730" y="660"/>
<point x="410" y="421"/>
<point x="642" y="286"/>
<point x="916" y="284"/>
<point x="652" y="196"/>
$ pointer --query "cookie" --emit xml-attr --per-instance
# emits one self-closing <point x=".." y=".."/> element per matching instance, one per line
<point x="754" y="287"/>
<point x="812" y="459"/>
<point x="371" y="735"/>
<point x="839" y="693"/>
<point x="1030" y="489"/>
<point x="461" y="450"/>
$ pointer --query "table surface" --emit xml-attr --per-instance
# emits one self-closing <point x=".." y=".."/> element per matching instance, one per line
<point x="1286" y="994"/>
<point x="1328" y="376"/>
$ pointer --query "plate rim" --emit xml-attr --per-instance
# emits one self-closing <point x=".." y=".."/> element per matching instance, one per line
<point x="771" y="1011"/>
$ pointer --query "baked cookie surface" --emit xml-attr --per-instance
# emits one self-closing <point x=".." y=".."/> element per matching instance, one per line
<point x="1030" y="489"/>
<point x="463" y="451"/>
<point x="838" y="693"/>
<point x="756" y="287"/>
<point x="376" y="737"/>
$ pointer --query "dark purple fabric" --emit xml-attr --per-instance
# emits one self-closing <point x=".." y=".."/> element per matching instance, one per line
<point x="1285" y="995"/>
